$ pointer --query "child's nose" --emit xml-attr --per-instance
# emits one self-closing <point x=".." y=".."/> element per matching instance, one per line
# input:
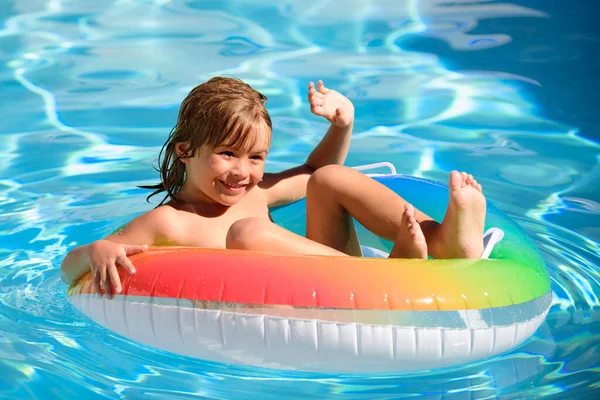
<point x="240" y="168"/>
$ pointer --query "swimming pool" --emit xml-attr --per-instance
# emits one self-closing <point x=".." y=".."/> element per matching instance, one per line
<point x="89" y="90"/>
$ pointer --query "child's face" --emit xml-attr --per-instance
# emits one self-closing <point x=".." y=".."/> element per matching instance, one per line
<point x="225" y="174"/>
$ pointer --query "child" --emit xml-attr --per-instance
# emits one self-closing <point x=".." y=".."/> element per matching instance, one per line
<point x="217" y="194"/>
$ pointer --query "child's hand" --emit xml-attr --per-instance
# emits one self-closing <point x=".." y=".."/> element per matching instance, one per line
<point x="330" y="104"/>
<point x="104" y="256"/>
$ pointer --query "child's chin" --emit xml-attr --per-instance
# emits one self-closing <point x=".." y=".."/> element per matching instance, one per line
<point x="229" y="200"/>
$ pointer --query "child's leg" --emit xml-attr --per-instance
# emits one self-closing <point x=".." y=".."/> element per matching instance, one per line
<point x="260" y="234"/>
<point x="334" y="192"/>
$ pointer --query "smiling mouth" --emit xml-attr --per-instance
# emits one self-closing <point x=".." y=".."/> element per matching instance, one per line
<point x="233" y="186"/>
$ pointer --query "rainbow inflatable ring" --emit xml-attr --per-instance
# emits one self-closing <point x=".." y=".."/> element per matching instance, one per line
<point x="333" y="314"/>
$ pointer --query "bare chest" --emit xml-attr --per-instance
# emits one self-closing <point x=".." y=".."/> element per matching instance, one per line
<point x="201" y="231"/>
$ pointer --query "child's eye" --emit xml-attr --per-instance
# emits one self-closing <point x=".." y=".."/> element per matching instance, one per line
<point x="257" y="158"/>
<point x="227" y="154"/>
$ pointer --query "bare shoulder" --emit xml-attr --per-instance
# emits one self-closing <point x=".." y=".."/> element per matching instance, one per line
<point x="166" y="223"/>
<point x="157" y="218"/>
<point x="162" y="214"/>
<point x="148" y="227"/>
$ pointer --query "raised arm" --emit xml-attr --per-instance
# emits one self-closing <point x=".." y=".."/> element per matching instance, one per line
<point x="338" y="110"/>
<point x="290" y="185"/>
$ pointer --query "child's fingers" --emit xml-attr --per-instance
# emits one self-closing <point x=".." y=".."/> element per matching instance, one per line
<point x="105" y="282"/>
<point x="311" y="90"/>
<point x="127" y="264"/>
<point x="316" y="100"/>
<point x="317" y="110"/>
<point x="114" y="278"/>
<point x="96" y="283"/>
<point x="313" y="93"/>
<point x="342" y="118"/>
<point x="321" y="87"/>
<point x="134" y="249"/>
<point x="339" y="115"/>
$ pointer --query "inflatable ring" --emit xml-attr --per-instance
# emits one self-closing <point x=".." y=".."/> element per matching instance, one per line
<point x="332" y="314"/>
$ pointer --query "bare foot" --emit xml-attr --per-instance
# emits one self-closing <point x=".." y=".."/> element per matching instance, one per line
<point x="410" y="242"/>
<point x="461" y="232"/>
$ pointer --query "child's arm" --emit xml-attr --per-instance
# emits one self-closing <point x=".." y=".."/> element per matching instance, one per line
<point x="338" y="110"/>
<point x="290" y="185"/>
<point x="103" y="256"/>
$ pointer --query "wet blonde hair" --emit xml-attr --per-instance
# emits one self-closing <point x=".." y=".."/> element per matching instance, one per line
<point x="219" y="111"/>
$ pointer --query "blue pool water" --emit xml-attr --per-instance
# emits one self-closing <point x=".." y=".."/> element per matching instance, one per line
<point x="89" y="90"/>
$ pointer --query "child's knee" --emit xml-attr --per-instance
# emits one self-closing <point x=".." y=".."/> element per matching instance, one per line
<point x="243" y="234"/>
<point x="325" y="177"/>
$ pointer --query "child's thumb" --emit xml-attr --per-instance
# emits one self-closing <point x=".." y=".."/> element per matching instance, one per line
<point x="132" y="249"/>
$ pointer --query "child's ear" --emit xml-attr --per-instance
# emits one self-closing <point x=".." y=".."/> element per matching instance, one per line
<point x="182" y="151"/>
